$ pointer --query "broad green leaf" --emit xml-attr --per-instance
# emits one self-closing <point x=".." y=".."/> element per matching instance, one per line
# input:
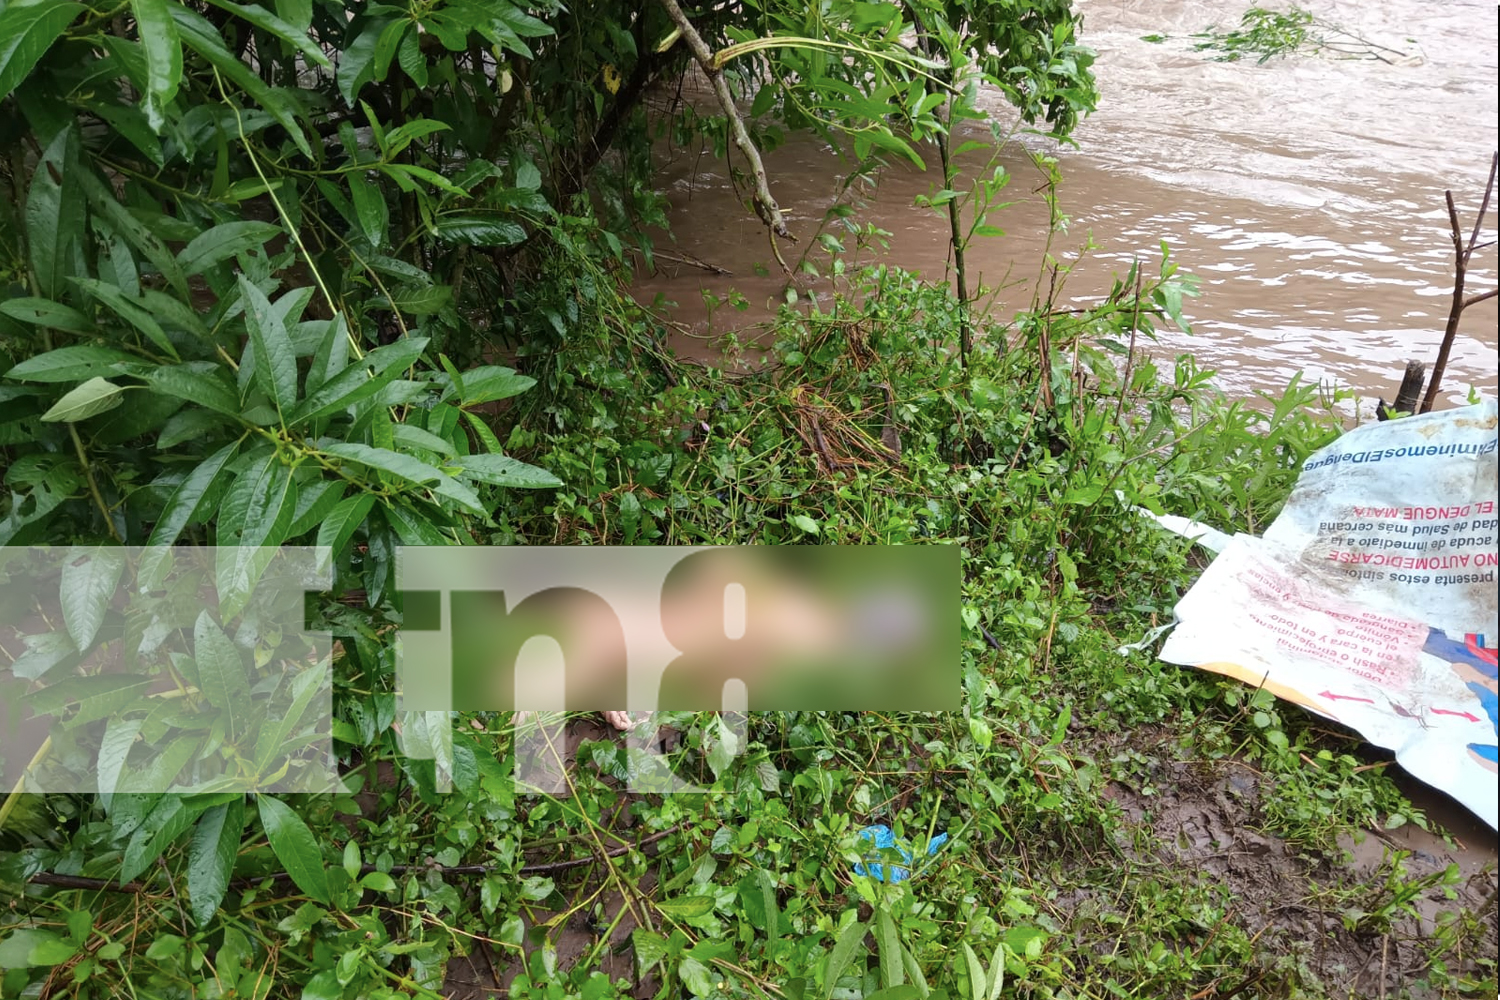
<point x="130" y="312"/>
<point x="357" y="62"/>
<point x="163" y="52"/>
<point x="189" y="502"/>
<point x="411" y="527"/>
<point x="54" y="219"/>
<point x="200" y="35"/>
<point x="370" y="208"/>
<point x="334" y="533"/>
<point x="223" y="242"/>
<point x="480" y="230"/>
<point x="297" y="13"/>
<point x="95" y="697"/>
<point x="200" y="382"/>
<point x="27" y="31"/>
<point x="491" y="383"/>
<point x="415" y="438"/>
<point x="401" y="466"/>
<point x="72" y="364"/>
<point x="422" y="301"/>
<point x="413" y="62"/>
<point x="268" y="495"/>
<point x="354" y="383"/>
<point x="90" y="399"/>
<point x="501" y="470"/>
<point x="45" y="312"/>
<point x="275" y="357"/>
<point x="114" y="750"/>
<point x="273" y="734"/>
<point x="172" y="313"/>
<point x="211" y="857"/>
<point x="34" y="947"/>
<point x="686" y="907"/>
<point x="172" y="815"/>
<point x="221" y="671"/>
<point x="803" y="523"/>
<point x="295" y="847"/>
<point x="314" y="501"/>
<point x="89" y="580"/>
<point x="696" y="977"/>
<point x="290" y="33"/>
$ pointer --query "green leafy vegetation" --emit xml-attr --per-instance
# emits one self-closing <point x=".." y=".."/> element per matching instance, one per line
<point x="1269" y="34"/>
<point x="302" y="272"/>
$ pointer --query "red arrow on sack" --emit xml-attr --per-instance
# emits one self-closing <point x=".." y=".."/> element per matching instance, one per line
<point x="1461" y="715"/>
<point x="1344" y="697"/>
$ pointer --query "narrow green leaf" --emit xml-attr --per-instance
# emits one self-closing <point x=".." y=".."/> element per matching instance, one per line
<point x="501" y="470"/>
<point x="90" y="399"/>
<point x="401" y="466"/>
<point x="89" y="580"/>
<point x="199" y="35"/>
<point x="411" y="527"/>
<point x="211" y="857"/>
<point x="295" y="847"/>
<point x="54" y="220"/>
<point x="172" y="815"/>
<point x="273" y="735"/>
<point x="892" y="971"/>
<point x="45" y="312"/>
<point x="72" y="364"/>
<point x="163" y="52"/>
<point x="130" y="312"/>
<point x="200" y="382"/>
<point x="331" y="357"/>
<point x="480" y="230"/>
<point x="978" y="981"/>
<point x="843" y="953"/>
<point x="334" y="533"/>
<point x="27" y="31"/>
<point x="354" y="383"/>
<point x="313" y="504"/>
<point x="114" y="750"/>
<point x="290" y="33"/>
<point x="221" y="671"/>
<point x="223" y="242"/>
<point x="370" y="208"/>
<point x="115" y="219"/>
<point x="189" y="502"/>
<point x="275" y="357"/>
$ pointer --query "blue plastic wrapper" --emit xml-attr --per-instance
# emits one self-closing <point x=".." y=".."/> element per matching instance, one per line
<point x="882" y="838"/>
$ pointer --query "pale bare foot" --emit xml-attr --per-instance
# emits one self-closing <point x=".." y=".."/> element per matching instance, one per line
<point x="620" y="720"/>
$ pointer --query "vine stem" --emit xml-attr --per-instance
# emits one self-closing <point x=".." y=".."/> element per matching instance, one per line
<point x="88" y="475"/>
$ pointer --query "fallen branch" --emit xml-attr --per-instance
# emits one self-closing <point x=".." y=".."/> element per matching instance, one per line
<point x="1461" y="255"/>
<point x="765" y="205"/>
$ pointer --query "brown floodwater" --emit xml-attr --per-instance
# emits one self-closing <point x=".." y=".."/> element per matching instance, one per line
<point x="1305" y="195"/>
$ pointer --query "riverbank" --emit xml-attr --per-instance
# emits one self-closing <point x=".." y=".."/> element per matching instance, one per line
<point x="1117" y="823"/>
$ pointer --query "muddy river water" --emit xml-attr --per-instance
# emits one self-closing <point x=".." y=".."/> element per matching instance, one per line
<point x="1305" y="194"/>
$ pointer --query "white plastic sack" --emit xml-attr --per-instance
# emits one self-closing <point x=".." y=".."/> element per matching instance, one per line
<point x="1372" y="600"/>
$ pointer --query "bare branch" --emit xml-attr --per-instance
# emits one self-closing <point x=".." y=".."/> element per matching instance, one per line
<point x="765" y="205"/>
